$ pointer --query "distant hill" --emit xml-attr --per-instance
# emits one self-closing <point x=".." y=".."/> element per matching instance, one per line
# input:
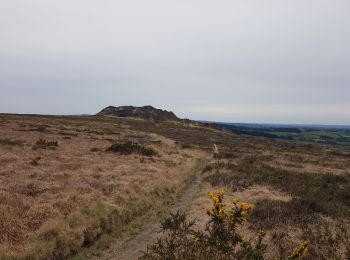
<point x="145" y="112"/>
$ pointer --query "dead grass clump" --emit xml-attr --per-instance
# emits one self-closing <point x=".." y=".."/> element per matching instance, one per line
<point x="226" y="155"/>
<point x="214" y="167"/>
<point x="56" y="241"/>
<point x="35" y="161"/>
<point x="329" y="239"/>
<point x="68" y="202"/>
<point x="45" y="144"/>
<point x="108" y="189"/>
<point x="128" y="147"/>
<point x="59" y="239"/>
<point x="270" y="213"/>
<point x="15" y="201"/>
<point x="6" y="141"/>
<point x="30" y="189"/>
<point x="259" y="192"/>
<point x="95" y="149"/>
<point x="35" y="128"/>
<point x="11" y="226"/>
<point x="295" y="158"/>
<point x="186" y="146"/>
<point x="95" y="219"/>
<point x="69" y="134"/>
<point x="340" y="153"/>
<point x="39" y="213"/>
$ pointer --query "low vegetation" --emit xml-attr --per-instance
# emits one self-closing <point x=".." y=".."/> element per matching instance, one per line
<point x="70" y="193"/>
<point x="325" y="193"/>
<point x="66" y="194"/>
<point x="45" y="144"/>
<point x="328" y="239"/>
<point x="7" y="141"/>
<point x="220" y="239"/>
<point x="61" y="239"/>
<point x="129" y="147"/>
<point x="319" y="207"/>
<point x="35" y="161"/>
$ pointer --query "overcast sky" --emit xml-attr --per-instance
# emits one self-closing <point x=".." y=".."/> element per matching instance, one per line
<point x="236" y="61"/>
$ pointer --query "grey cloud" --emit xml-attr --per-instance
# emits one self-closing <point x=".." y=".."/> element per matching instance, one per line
<point x="241" y="57"/>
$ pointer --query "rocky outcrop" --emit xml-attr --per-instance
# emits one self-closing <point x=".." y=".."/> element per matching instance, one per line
<point x="145" y="112"/>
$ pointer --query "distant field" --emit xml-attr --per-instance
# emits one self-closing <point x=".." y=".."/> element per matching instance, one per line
<point x="318" y="134"/>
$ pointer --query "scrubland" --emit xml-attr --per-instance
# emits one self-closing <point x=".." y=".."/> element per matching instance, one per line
<point x="61" y="188"/>
<point x="65" y="182"/>
<point x="300" y="192"/>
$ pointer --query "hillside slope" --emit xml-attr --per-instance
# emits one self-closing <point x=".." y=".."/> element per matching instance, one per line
<point x="69" y="181"/>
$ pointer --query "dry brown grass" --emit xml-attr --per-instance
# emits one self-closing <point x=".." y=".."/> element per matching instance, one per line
<point x="251" y="195"/>
<point x="65" y="180"/>
<point x="76" y="192"/>
<point x="293" y="188"/>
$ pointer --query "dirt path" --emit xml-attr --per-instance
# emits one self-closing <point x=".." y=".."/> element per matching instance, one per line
<point x="130" y="247"/>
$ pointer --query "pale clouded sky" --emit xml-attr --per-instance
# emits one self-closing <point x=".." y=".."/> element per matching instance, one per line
<point x="238" y="61"/>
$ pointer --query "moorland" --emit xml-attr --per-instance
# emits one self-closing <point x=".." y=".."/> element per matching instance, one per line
<point x="73" y="186"/>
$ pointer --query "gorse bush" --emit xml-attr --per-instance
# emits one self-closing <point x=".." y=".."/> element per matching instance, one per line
<point x="128" y="147"/>
<point x="219" y="240"/>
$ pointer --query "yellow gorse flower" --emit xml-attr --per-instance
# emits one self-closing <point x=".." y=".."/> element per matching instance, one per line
<point x="261" y="233"/>
<point x="244" y="213"/>
<point x="246" y="206"/>
<point x="218" y="206"/>
<point x="238" y="213"/>
<point x="299" y="251"/>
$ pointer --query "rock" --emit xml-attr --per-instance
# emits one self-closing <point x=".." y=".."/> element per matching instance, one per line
<point x="145" y="112"/>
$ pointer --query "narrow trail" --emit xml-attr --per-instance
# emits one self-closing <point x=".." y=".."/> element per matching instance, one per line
<point x="130" y="247"/>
